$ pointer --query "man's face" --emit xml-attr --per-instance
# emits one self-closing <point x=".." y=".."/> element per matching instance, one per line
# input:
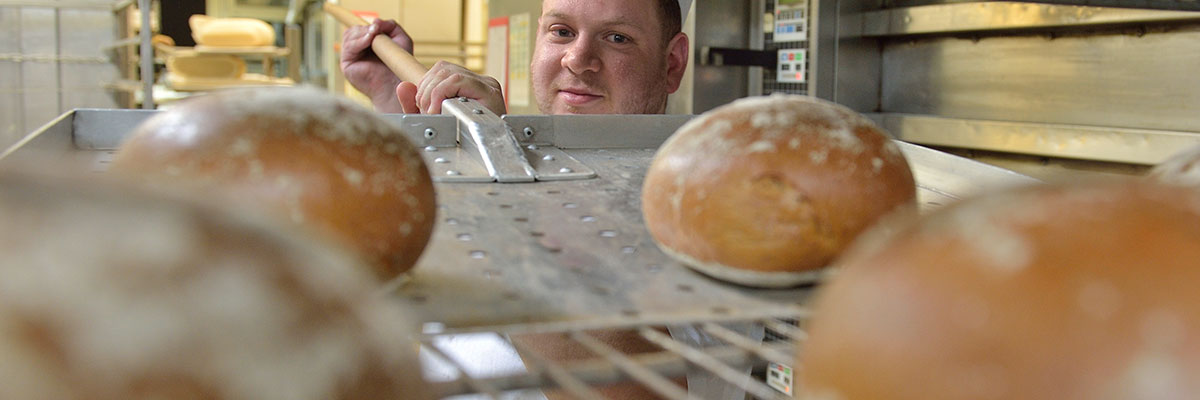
<point x="603" y="57"/>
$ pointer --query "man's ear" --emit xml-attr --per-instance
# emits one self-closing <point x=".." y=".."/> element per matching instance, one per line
<point x="677" y="60"/>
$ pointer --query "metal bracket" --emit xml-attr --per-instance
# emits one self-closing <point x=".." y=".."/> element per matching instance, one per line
<point x="484" y="136"/>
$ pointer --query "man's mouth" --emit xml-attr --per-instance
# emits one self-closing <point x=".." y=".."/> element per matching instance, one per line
<point x="578" y="96"/>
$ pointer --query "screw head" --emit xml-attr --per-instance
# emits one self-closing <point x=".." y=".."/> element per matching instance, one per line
<point x="430" y="149"/>
<point x="453" y="173"/>
<point x="548" y="157"/>
<point x="441" y="160"/>
<point x="477" y="111"/>
<point x="430" y="133"/>
<point x="565" y="170"/>
<point x="528" y="132"/>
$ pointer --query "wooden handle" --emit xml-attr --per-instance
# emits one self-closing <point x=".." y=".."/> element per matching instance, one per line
<point x="403" y="64"/>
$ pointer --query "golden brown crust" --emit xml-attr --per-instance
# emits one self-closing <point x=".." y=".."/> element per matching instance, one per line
<point x="312" y="159"/>
<point x="1067" y="292"/>
<point x="777" y="184"/>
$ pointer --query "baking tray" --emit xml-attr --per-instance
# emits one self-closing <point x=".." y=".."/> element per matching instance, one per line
<point x="563" y="251"/>
<point x="567" y="254"/>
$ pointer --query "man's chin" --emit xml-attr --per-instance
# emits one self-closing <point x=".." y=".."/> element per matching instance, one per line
<point x="561" y="108"/>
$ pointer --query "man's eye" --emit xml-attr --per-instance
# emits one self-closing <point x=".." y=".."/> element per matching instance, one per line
<point x="562" y="33"/>
<point x="619" y="38"/>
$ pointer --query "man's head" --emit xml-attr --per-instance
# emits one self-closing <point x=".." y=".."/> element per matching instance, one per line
<point x="608" y="56"/>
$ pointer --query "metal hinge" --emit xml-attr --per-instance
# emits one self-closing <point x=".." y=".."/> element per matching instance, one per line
<point x="489" y="149"/>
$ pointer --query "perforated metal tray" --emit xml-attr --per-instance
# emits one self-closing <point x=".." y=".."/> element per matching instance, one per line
<point x="564" y="255"/>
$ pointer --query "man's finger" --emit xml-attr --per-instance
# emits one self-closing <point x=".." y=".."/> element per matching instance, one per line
<point x="425" y="87"/>
<point x="355" y="42"/>
<point x="406" y="92"/>
<point x="452" y="86"/>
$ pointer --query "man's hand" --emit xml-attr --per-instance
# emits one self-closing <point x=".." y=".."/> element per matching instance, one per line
<point x="446" y="81"/>
<point x="365" y="71"/>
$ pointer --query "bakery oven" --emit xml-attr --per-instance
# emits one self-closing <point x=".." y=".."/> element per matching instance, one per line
<point x="1083" y="85"/>
<point x="1111" y="82"/>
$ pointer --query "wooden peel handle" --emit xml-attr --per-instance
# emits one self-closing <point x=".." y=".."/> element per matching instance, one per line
<point x="403" y="64"/>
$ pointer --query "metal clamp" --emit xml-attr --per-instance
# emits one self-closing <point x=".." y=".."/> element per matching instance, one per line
<point x="484" y="134"/>
<point x="509" y="152"/>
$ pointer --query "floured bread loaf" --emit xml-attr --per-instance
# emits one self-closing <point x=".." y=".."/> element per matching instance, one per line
<point x="319" y="161"/>
<point x="1085" y="291"/>
<point x="108" y="292"/>
<point x="231" y="32"/>
<point x="766" y="191"/>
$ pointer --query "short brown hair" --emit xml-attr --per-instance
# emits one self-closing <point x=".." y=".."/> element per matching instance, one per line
<point x="672" y="18"/>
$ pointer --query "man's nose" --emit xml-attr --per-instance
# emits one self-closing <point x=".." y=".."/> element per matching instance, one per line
<point x="581" y="57"/>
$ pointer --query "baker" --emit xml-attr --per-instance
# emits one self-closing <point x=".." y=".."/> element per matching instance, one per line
<point x="589" y="57"/>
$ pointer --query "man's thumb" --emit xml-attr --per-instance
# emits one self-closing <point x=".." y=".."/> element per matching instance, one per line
<point x="406" y="92"/>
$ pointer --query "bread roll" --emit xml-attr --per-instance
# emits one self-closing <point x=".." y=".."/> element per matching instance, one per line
<point x="1085" y="291"/>
<point x="231" y="32"/>
<point x="1182" y="168"/>
<point x="108" y="292"/>
<point x="316" y="160"/>
<point x="765" y="191"/>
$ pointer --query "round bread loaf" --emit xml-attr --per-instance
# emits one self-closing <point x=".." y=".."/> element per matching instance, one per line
<point x="108" y="292"/>
<point x="312" y="158"/>
<point x="1182" y="168"/>
<point x="1084" y="291"/>
<point x="766" y="191"/>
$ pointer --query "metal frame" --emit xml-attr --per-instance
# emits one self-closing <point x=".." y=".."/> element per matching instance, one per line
<point x="1122" y="145"/>
<point x="734" y="350"/>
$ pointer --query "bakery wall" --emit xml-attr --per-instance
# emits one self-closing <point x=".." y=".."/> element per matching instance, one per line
<point x="53" y="59"/>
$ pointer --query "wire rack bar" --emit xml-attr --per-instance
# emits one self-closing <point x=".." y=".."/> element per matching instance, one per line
<point x="479" y="386"/>
<point x="740" y="379"/>
<point x="638" y="372"/>
<point x="559" y="375"/>
<point x="745" y="343"/>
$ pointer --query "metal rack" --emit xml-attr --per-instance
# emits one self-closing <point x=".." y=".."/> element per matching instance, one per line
<point x="725" y="359"/>
<point x="564" y="250"/>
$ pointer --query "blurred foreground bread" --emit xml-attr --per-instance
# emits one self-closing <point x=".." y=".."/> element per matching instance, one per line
<point x="309" y="157"/>
<point x="108" y="292"/>
<point x="1085" y="291"/>
<point x="765" y="191"/>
